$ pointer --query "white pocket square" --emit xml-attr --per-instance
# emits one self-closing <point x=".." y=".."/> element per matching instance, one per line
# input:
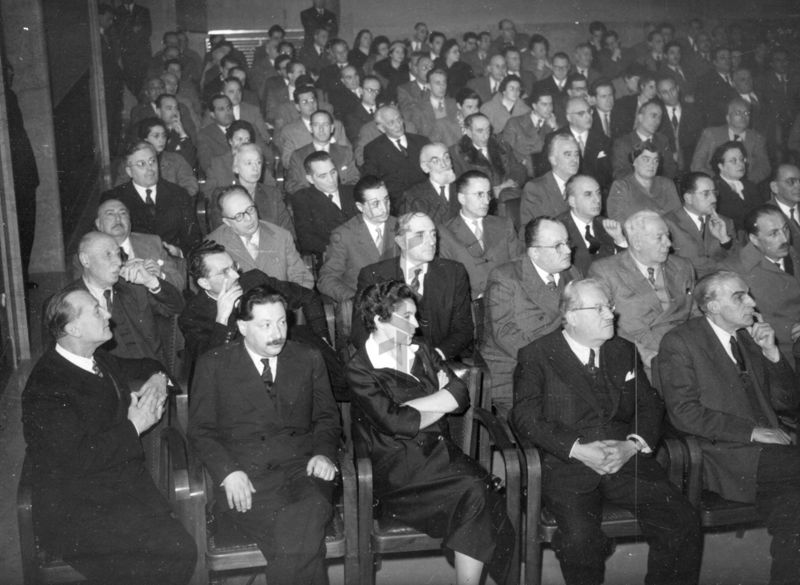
<point x="630" y="376"/>
<point x="601" y="154"/>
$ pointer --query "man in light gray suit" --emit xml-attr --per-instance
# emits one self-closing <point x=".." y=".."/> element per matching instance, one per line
<point x="356" y="243"/>
<point x="257" y="244"/>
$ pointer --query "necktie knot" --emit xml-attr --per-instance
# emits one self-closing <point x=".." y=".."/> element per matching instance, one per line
<point x="108" y="298"/>
<point x="415" y="282"/>
<point x="651" y="276"/>
<point x="400" y="146"/>
<point x="150" y="202"/>
<point x="591" y="364"/>
<point x="96" y="369"/>
<point x="266" y="375"/>
<point x="379" y="238"/>
<point x="551" y="282"/>
<point x="737" y="354"/>
<point x="123" y="255"/>
<point x="592" y="241"/>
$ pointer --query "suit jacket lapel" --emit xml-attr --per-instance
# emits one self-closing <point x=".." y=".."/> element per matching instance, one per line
<point x="572" y="371"/>
<point x="638" y="283"/>
<point x="245" y="376"/>
<point x="536" y="289"/>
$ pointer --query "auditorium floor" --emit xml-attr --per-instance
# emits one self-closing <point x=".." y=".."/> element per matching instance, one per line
<point x="728" y="559"/>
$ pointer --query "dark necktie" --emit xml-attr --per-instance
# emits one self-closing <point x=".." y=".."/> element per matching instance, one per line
<point x="788" y="265"/>
<point x="737" y="354"/>
<point x="793" y="216"/>
<point x="594" y="243"/>
<point x="149" y="202"/>
<point x="703" y="225"/>
<point x="674" y="119"/>
<point x="266" y="377"/>
<point x="442" y="192"/>
<point x="651" y="276"/>
<point x="96" y="369"/>
<point x="401" y="147"/>
<point x="551" y="283"/>
<point x="737" y="137"/>
<point x="591" y="365"/>
<point x="123" y="255"/>
<point x="415" y="281"/>
<point x="107" y="297"/>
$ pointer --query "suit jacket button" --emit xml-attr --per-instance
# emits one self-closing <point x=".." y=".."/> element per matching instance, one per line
<point x="263" y="437"/>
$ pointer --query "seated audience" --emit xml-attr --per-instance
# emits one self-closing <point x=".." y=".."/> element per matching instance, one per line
<point x="322" y="128"/>
<point x="591" y="235"/>
<point x="736" y="129"/>
<point x="473" y="237"/>
<point x="488" y="84"/>
<point x="642" y="189"/>
<point x="366" y="238"/>
<point x="181" y="137"/>
<point x="547" y="195"/>
<point x="412" y="91"/>
<point x="770" y="267"/>
<point x="521" y="302"/>
<point x="242" y="110"/>
<point x="651" y="289"/>
<point x="322" y="206"/>
<point x="447" y="130"/>
<point x="680" y="123"/>
<point x="724" y="380"/>
<point x="555" y="84"/>
<point x="715" y="88"/>
<point x="96" y="504"/>
<point x="402" y="391"/>
<point x="437" y="196"/>
<point x="133" y="295"/>
<point x="582" y="397"/>
<point x="220" y="174"/>
<point x="626" y="107"/>
<point x="255" y="243"/>
<point x="156" y="206"/>
<point x="345" y="96"/>
<point x="785" y="195"/>
<point x="458" y="72"/>
<point x="478" y="58"/>
<point x="697" y="231"/>
<point x="505" y="104"/>
<point x="594" y="145"/>
<point x="526" y="134"/>
<point x="441" y="288"/>
<point x="212" y="140"/>
<point x="363" y="112"/>
<point x="426" y="113"/>
<point x="271" y="450"/>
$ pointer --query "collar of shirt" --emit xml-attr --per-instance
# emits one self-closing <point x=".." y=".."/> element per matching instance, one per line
<point x="694" y="217"/>
<point x="83" y="363"/>
<point x="318" y="147"/>
<point x="724" y="338"/>
<point x="237" y="111"/>
<point x="336" y="200"/>
<point x="582" y="225"/>
<point x="543" y="274"/>
<point x="676" y="109"/>
<point x="255" y="239"/>
<point x="471" y="222"/>
<point x="306" y="123"/>
<point x="507" y="103"/>
<point x="408" y="272"/>
<point x="581" y="136"/>
<point x="732" y="134"/>
<point x="559" y="84"/>
<point x="372" y="227"/>
<point x="97" y="293"/>
<point x="643" y="138"/>
<point x="560" y="182"/>
<point x="402" y="140"/>
<point x="438" y="188"/>
<point x="493" y="85"/>
<point x="128" y="247"/>
<point x="737" y="186"/>
<point x="580" y="350"/>
<point x="436" y="101"/>
<point x="643" y="269"/>
<point x="387" y="359"/>
<point x="142" y="191"/>
<point x="536" y="118"/>
<point x="273" y="362"/>
<point x="787" y="210"/>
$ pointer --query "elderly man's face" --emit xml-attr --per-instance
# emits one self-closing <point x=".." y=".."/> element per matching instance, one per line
<point x="773" y="236"/>
<point x="652" y="243"/>
<point x="101" y="261"/>
<point x="418" y="242"/>
<point x="142" y="167"/>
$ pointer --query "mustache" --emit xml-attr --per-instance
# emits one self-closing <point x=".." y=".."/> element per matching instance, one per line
<point x="277" y="342"/>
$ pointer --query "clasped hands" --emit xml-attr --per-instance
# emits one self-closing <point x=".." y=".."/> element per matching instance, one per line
<point x="141" y="271"/>
<point x="604" y="457"/>
<point x="147" y="403"/>
<point x="239" y="489"/>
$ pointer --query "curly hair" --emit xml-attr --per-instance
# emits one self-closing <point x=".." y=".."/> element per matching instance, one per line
<point x="380" y="299"/>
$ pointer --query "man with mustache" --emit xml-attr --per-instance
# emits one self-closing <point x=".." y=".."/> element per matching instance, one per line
<point x="264" y="422"/>
<point x="581" y="396"/>
<point x="770" y="267"/>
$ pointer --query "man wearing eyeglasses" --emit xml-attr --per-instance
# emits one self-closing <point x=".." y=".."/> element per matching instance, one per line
<point x="582" y="397"/>
<point x="255" y="243"/>
<point x="437" y="196"/>
<point x="651" y="288"/>
<point x="521" y="301"/>
<point x="362" y="240"/>
<point x="156" y="206"/>
<point x="698" y="232"/>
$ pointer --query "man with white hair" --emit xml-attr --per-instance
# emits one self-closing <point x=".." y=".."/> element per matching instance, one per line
<point x="652" y="290"/>
<point x="437" y="196"/>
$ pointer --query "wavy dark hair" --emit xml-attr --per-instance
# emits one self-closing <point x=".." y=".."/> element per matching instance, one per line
<point x="380" y="299"/>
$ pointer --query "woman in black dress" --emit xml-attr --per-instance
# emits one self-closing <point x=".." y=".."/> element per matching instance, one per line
<point x="735" y="194"/>
<point x="393" y="71"/>
<point x="361" y="49"/>
<point x="458" y="72"/>
<point x="401" y="392"/>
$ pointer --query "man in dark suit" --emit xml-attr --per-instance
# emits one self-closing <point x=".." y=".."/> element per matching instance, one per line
<point x="651" y="289"/>
<point x="680" y="123"/>
<point x="781" y="90"/>
<point x="276" y="89"/>
<point x="271" y="449"/>
<point x="556" y="85"/>
<point x="724" y="380"/>
<point x="601" y="96"/>
<point x="411" y="92"/>
<point x="592" y="236"/>
<point x="314" y="53"/>
<point x="364" y="110"/>
<point x="156" y="206"/>
<point x="134" y="27"/>
<point x="648" y="121"/>
<point x="318" y="17"/>
<point x="594" y="145"/>
<point x="770" y="267"/>
<point x="321" y="207"/>
<point x="473" y="237"/>
<point x="345" y="94"/>
<point x="697" y="232"/>
<point x="211" y="140"/>
<point x="394" y="156"/>
<point x="488" y="85"/>
<point x="627" y="107"/>
<point x="442" y="286"/>
<point x="361" y="241"/>
<point x="478" y="58"/>
<point x="526" y="134"/>
<point x="437" y="196"/>
<point x="785" y="195"/>
<point x="715" y="89"/>
<point x="581" y="396"/>
<point x="135" y="297"/>
<point x="521" y="302"/>
<point x="96" y="504"/>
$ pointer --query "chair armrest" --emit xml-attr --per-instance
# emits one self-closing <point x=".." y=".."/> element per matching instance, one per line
<point x="694" y="476"/>
<point x="329" y="306"/>
<point x="201" y="213"/>
<point x="673" y="456"/>
<point x="349" y="500"/>
<point x="363" y="468"/>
